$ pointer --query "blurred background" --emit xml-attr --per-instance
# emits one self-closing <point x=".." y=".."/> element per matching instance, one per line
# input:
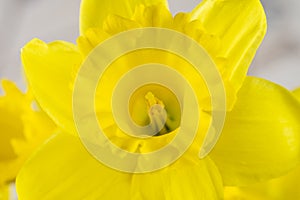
<point x="278" y="59"/>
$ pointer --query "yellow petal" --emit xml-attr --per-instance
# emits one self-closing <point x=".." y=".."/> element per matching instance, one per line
<point x="49" y="69"/>
<point x="297" y="93"/>
<point x="94" y="12"/>
<point x="183" y="180"/>
<point x="241" y="26"/>
<point x="261" y="136"/>
<point x="282" y="188"/>
<point x="63" y="169"/>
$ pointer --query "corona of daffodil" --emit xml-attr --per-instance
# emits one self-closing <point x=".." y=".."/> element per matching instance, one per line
<point x="261" y="134"/>
<point x="22" y="130"/>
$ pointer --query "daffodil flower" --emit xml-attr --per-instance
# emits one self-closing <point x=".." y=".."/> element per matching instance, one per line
<point x="22" y="131"/>
<point x="259" y="140"/>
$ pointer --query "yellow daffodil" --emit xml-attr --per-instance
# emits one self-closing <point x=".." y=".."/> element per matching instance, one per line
<point x="22" y="129"/>
<point x="282" y="188"/>
<point x="259" y="141"/>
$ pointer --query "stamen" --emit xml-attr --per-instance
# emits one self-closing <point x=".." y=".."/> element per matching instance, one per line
<point x="157" y="114"/>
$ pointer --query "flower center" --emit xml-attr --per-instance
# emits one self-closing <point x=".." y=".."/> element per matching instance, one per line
<point x="156" y="105"/>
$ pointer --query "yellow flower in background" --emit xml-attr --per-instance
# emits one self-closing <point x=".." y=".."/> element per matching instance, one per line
<point x="4" y="192"/>
<point x="282" y="188"/>
<point x="260" y="139"/>
<point x="13" y="106"/>
<point x="22" y="130"/>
